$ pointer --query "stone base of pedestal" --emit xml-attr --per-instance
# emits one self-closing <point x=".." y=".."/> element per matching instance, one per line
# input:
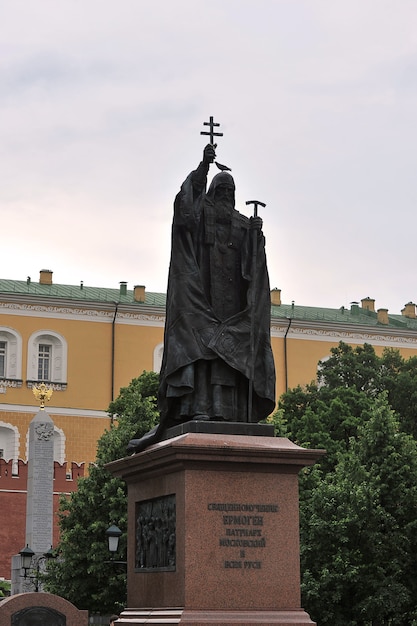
<point x="162" y="617"/>
<point x="213" y="530"/>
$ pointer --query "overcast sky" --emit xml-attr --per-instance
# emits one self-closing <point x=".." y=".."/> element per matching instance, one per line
<point x="101" y="107"/>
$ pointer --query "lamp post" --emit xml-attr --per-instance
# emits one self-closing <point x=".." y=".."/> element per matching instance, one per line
<point x="113" y="534"/>
<point x="26" y="555"/>
<point x="26" y="558"/>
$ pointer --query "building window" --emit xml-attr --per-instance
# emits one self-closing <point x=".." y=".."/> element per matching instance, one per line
<point x="3" y="346"/>
<point x="9" y="444"/>
<point x="320" y="382"/>
<point x="47" y="359"/>
<point x="158" y="353"/>
<point x="10" y="357"/>
<point x="59" y="445"/>
<point x="44" y="361"/>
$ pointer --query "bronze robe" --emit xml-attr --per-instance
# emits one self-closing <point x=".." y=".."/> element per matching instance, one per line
<point x="215" y="274"/>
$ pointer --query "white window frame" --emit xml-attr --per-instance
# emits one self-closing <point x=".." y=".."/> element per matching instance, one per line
<point x="3" y="357"/>
<point x="9" y="440"/>
<point x="59" y="355"/>
<point x="45" y="355"/>
<point x="158" y="353"/>
<point x="13" y="361"/>
<point x="59" y="445"/>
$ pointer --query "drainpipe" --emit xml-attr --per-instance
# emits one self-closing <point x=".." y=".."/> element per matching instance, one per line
<point x="285" y="354"/>
<point x="113" y="334"/>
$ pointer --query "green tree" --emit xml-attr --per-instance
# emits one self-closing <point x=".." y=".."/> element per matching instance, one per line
<point x="358" y="505"/>
<point x="323" y="417"/>
<point x="361" y="369"/>
<point x="4" y="588"/>
<point x="400" y="381"/>
<point x="328" y="413"/>
<point x="81" y="574"/>
<point x="356" y="368"/>
<point x="359" y="530"/>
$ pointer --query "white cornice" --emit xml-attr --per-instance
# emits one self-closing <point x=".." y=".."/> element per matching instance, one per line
<point x="48" y="311"/>
<point x="22" y="408"/>
<point x="333" y="333"/>
<point x="141" y="318"/>
<point x="87" y="313"/>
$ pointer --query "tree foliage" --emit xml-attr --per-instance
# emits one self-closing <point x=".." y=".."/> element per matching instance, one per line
<point x="82" y="574"/>
<point x="358" y="506"/>
<point x="360" y="368"/>
<point x="328" y="413"/>
<point x="4" y="588"/>
<point x="324" y="417"/>
<point x="359" y="530"/>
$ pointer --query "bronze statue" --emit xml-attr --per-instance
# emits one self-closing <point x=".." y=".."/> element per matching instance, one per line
<point x="217" y="362"/>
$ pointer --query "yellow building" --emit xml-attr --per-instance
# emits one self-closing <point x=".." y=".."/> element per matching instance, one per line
<point x="89" y="342"/>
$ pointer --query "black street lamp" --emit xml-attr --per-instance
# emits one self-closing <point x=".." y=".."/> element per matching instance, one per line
<point x="113" y="535"/>
<point x="26" y="558"/>
<point x="26" y="555"/>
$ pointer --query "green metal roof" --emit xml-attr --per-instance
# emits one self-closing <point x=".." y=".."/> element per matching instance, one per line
<point x="355" y="315"/>
<point x="77" y="292"/>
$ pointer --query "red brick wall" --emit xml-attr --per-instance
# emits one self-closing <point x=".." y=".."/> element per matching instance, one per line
<point x="13" y="491"/>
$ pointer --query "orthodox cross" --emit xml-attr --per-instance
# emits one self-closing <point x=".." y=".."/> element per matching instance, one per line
<point x="212" y="134"/>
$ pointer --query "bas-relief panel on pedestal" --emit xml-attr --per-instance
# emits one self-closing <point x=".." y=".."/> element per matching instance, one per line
<point x="156" y="534"/>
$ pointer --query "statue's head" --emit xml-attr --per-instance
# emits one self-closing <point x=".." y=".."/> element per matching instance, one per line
<point x="222" y="187"/>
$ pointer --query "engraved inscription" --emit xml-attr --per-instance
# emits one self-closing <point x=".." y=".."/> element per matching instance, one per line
<point x="244" y="528"/>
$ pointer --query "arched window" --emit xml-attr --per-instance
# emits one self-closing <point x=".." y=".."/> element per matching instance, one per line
<point x="320" y="382"/>
<point x="9" y="443"/>
<point x="10" y="357"/>
<point x="47" y="359"/>
<point x="59" y="445"/>
<point x="157" y="357"/>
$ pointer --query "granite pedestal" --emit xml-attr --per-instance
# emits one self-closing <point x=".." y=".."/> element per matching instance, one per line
<point x="213" y="531"/>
